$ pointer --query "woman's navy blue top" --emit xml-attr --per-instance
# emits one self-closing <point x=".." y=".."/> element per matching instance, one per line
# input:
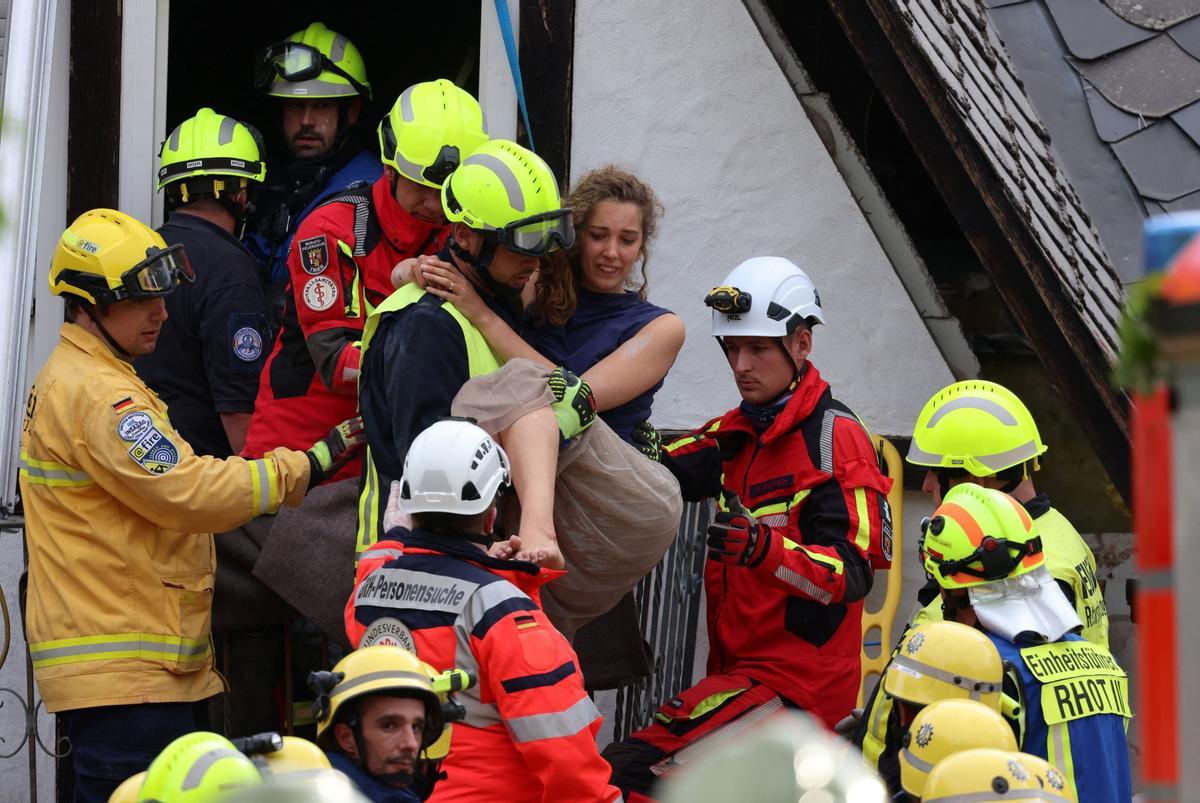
<point x="601" y="323"/>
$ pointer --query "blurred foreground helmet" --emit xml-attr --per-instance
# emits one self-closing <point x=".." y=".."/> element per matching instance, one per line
<point x="327" y="786"/>
<point x="127" y="792"/>
<point x="199" y="767"/>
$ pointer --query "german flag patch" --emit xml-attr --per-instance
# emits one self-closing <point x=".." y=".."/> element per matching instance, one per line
<point x="122" y="404"/>
<point x="525" y="621"/>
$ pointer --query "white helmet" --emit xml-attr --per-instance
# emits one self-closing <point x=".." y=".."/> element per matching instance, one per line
<point x="452" y="467"/>
<point x="763" y="297"/>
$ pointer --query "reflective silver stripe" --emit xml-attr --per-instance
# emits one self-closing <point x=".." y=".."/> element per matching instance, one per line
<point x="259" y="467"/>
<point x="974" y="686"/>
<point x="516" y="198"/>
<point x="973" y="403"/>
<point x="410" y="679"/>
<point x="921" y="457"/>
<point x="827" y="437"/>
<point x="178" y="651"/>
<point x="553" y="726"/>
<point x="479" y="714"/>
<point x="1060" y="762"/>
<point x="1002" y="460"/>
<point x="53" y="473"/>
<point x="225" y="133"/>
<point x="313" y="88"/>
<point x="196" y="773"/>
<point x="981" y="797"/>
<point x="387" y="554"/>
<point x="409" y="169"/>
<point x="485" y="599"/>
<point x="406" y="109"/>
<point x="803" y="585"/>
<point x="362" y="213"/>
<point x="338" y="48"/>
<point x="173" y="142"/>
<point x="919" y="763"/>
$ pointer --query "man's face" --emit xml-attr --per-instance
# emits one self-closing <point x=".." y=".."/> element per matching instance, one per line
<point x="135" y="325"/>
<point x="310" y="126"/>
<point x="763" y="367"/>
<point x="423" y="203"/>
<point x="508" y="267"/>
<point x="392" y="728"/>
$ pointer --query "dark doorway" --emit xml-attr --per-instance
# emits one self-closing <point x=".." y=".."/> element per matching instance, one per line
<point x="212" y="47"/>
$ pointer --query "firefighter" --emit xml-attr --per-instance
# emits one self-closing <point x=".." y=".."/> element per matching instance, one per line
<point x="321" y="80"/>
<point x="119" y="511"/>
<point x="984" y="550"/>
<point x="341" y="259"/>
<point x="802" y="522"/>
<point x="529" y="725"/>
<point x="980" y="432"/>
<point x="210" y="350"/>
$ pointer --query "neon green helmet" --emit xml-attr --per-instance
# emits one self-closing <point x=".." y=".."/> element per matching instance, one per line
<point x="509" y="193"/>
<point x="313" y="63"/>
<point x="975" y="425"/>
<point x="199" y="767"/>
<point x="431" y="128"/>
<point x="210" y="144"/>
<point x="977" y="536"/>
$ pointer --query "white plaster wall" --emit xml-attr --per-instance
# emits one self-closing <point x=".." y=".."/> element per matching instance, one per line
<point x="686" y="94"/>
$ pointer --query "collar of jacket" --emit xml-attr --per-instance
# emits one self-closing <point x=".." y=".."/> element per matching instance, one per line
<point x="804" y="400"/>
<point x="522" y="574"/>
<point x="404" y="231"/>
<point x="94" y="347"/>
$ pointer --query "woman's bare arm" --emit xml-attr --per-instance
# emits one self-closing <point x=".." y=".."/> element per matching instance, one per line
<point x="638" y="364"/>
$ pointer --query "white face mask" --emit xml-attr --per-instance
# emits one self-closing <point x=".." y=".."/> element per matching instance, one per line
<point x="1031" y="603"/>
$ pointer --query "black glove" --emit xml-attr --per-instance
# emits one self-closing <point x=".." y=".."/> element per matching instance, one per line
<point x="736" y="538"/>
<point x="647" y="441"/>
<point x="574" y="405"/>
<point x="330" y="453"/>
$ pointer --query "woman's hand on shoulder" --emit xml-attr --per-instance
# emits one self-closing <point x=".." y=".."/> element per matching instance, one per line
<point x="446" y="281"/>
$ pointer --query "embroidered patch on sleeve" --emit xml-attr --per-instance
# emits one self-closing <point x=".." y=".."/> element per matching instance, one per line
<point x="154" y="452"/>
<point x="133" y="426"/>
<point x="320" y="293"/>
<point x="314" y="255"/>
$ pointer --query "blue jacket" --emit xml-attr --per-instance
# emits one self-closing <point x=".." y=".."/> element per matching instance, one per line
<point x="365" y="166"/>
<point x="373" y="789"/>
<point x="1076" y="700"/>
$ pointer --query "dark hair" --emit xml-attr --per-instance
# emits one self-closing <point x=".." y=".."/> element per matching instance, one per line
<point x="450" y="522"/>
<point x="560" y="273"/>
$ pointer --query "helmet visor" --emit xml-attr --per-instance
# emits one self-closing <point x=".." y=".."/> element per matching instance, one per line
<point x="158" y="274"/>
<point x="540" y="234"/>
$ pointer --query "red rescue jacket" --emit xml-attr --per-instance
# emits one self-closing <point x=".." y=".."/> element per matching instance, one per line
<point x="530" y="731"/>
<point x="793" y="622"/>
<point x="340" y="265"/>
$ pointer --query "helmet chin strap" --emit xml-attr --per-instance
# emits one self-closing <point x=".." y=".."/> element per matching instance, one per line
<point x="117" y="348"/>
<point x="481" y="263"/>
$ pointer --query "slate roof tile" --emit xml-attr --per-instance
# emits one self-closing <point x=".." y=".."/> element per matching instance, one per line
<point x="1112" y="124"/>
<point x="1152" y="78"/>
<point x="1091" y="29"/>
<point x="1156" y="15"/>
<point x="1161" y="160"/>
<point x="1188" y="118"/>
<point x="1187" y="36"/>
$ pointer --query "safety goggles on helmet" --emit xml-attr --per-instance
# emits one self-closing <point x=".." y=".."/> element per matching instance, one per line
<point x="295" y="62"/>
<point x="157" y="274"/>
<point x="540" y="234"/>
<point x="728" y="300"/>
<point x="998" y="557"/>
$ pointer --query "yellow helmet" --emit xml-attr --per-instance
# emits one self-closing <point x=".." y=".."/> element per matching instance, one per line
<point x="945" y="660"/>
<point x="211" y="144"/>
<point x="127" y="792"/>
<point x="1051" y="779"/>
<point x="946" y="727"/>
<point x="313" y="63"/>
<point x="298" y="758"/>
<point x="107" y="256"/>
<point x="977" y="426"/>
<point x="199" y="767"/>
<point x="979" y="535"/>
<point x="985" y="774"/>
<point x="431" y="128"/>
<point x="377" y="670"/>
<point x="511" y="195"/>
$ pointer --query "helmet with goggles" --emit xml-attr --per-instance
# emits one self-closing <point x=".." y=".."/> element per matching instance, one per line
<point x="106" y="256"/>
<point x="764" y="297"/>
<point x="510" y="194"/>
<point x="977" y="536"/>
<point x="210" y="154"/>
<point x="310" y="64"/>
<point x="430" y="129"/>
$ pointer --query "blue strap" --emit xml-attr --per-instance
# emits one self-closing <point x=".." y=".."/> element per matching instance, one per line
<point x="510" y="47"/>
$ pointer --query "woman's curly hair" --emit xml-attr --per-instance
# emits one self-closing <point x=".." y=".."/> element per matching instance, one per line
<point x="555" y="298"/>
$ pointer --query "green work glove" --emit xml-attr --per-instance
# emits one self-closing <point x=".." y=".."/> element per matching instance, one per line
<point x="574" y="405"/>
<point x="330" y="453"/>
<point x="647" y="441"/>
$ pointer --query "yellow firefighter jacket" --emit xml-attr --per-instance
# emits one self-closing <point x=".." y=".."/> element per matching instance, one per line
<point x="119" y="514"/>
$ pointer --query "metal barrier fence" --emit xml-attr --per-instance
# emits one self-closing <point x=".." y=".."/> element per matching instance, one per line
<point x="668" y="603"/>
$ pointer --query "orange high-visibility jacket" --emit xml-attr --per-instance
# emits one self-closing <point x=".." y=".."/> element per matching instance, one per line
<point x="119" y="514"/>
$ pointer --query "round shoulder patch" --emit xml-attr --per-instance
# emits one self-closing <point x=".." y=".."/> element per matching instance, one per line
<point x="320" y="293"/>
<point x="247" y="344"/>
<point x="389" y="632"/>
<point x="134" y="425"/>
